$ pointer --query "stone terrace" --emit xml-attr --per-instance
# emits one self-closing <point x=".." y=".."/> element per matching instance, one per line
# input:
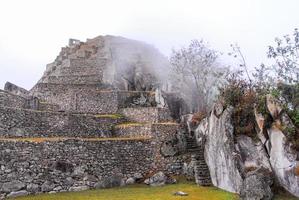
<point x="71" y="131"/>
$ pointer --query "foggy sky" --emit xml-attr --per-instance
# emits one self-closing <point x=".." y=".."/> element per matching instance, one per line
<point x="33" y="31"/>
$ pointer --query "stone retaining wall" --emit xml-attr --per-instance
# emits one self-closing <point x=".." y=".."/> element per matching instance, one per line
<point x="71" y="164"/>
<point x="146" y="114"/>
<point x="82" y="98"/>
<point x="8" y="99"/>
<point x="133" y="130"/>
<point x="32" y="166"/>
<point x="44" y="106"/>
<point x="30" y="123"/>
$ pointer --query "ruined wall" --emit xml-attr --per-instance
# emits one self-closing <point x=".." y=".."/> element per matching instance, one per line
<point x="14" y="89"/>
<point x="30" y="123"/>
<point x="63" y="165"/>
<point x="11" y="100"/>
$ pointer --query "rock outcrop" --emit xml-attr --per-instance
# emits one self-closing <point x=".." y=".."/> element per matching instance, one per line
<point x="256" y="186"/>
<point x="246" y="165"/>
<point x="283" y="161"/>
<point x="220" y="152"/>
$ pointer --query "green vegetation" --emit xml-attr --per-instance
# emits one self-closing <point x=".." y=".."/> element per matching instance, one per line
<point x="142" y="192"/>
<point x="242" y="98"/>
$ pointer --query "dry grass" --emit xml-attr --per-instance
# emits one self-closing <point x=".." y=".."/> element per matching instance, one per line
<point x="132" y="124"/>
<point x="142" y="192"/>
<point x="112" y="116"/>
<point x="167" y="123"/>
<point x="56" y="139"/>
<point x="129" y="124"/>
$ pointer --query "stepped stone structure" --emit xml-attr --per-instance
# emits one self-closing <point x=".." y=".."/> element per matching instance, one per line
<point x="201" y="170"/>
<point x="98" y="113"/>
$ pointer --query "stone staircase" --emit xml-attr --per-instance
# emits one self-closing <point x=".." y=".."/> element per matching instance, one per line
<point x="201" y="170"/>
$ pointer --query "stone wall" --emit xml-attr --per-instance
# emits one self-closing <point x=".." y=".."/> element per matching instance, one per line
<point x="11" y="100"/>
<point x="78" y="67"/>
<point x="30" y="123"/>
<point x="146" y="114"/>
<point x="62" y="164"/>
<point x="74" y="79"/>
<point x="78" y="98"/>
<point x="133" y="130"/>
<point x="169" y="148"/>
<point x="14" y="89"/>
<point x="66" y="165"/>
<point x="93" y="98"/>
<point x="44" y="106"/>
<point x="90" y="101"/>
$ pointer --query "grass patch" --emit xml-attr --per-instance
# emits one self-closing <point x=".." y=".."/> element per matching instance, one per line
<point x="142" y="192"/>
<point x="56" y="139"/>
<point x="129" y="124"/>
<point x="112" y="116"/>
<point x="132" y="124"/>
<point x="167" y="123"/>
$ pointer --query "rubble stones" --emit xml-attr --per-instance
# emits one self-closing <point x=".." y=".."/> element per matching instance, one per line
<point x="159" y="179"/>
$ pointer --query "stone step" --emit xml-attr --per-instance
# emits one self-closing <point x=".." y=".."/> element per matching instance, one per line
<point x="201" y="170"/>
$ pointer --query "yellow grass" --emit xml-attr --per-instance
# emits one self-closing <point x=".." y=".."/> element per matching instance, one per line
<point x="167" y="123"/>
<point x="113" y="116"/>
<point x="142" y="192"/>
<point x="129" y="124"/>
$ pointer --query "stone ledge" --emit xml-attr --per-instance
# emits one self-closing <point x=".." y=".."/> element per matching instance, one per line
<point x="61" y="139"/>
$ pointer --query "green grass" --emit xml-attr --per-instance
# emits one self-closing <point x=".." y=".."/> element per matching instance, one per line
<point x="141" y="192"/>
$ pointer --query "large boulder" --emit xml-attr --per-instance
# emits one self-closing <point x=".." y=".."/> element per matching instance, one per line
<point x="221" y="155"/>
<point x="257" y="186"/>
<point x="230" y="158"/>
<point x="17" y="194"/>
<point x="284" y="161"/>
<point x="159" y="179"/>
<point x="109" y="182"/>
<point x="283" y="158"/>
<point x="47" y="186"/>
<point x="253" y="154"/>
<point x="12" y="186"/>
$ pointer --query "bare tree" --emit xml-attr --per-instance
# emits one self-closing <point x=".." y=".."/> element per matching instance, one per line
<point x="196" y="75"/>
<point x="237" y="53"/>
<point x="286" y="56"/>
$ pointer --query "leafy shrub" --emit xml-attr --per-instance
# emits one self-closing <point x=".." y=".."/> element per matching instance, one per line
<point x="197" y="117"/>
<point x="240" y="95"/>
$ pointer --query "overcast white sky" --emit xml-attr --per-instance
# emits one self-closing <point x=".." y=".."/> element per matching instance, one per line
<point x="33" y="31"/>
